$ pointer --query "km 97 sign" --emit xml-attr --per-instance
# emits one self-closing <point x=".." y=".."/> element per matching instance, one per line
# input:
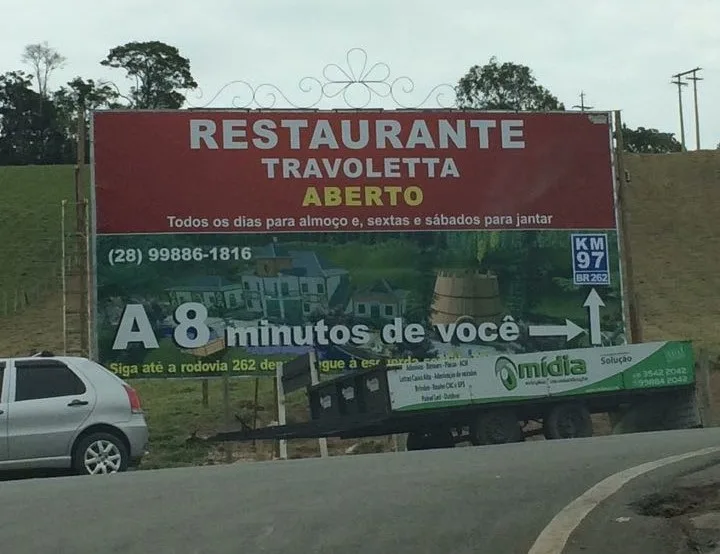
<point x="230" y="242"/>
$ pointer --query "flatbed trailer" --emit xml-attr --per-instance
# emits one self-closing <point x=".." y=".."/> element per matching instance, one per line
<point x="496" y="399"/>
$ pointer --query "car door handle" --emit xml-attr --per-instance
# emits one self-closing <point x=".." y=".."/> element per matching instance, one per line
<point x="78" y="403"/>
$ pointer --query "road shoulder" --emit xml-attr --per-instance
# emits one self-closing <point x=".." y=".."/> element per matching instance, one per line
<point x="656" y="513"/>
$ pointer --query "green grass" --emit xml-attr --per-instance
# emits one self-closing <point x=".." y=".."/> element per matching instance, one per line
<point x="30" y="223"/>
<point x="174" y="410"/>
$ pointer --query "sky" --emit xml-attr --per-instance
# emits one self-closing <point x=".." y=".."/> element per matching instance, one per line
<point x="621" y="53"/>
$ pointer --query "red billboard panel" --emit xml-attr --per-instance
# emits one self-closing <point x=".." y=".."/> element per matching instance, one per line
<point x="294" y="171"/>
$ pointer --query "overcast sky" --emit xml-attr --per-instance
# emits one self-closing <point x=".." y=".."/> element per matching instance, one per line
<point x="622" y="53"/>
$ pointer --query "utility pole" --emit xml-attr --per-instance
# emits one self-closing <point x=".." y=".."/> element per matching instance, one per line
<point x="692" y="76"/>
<point x="680" y="84"/>
<point x="582" y="105"/>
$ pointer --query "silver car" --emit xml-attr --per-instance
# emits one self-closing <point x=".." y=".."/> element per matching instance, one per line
<point x="68" y="413"/>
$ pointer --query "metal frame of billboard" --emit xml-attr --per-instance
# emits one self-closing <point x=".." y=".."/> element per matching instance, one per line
<point x="373" y="82"/>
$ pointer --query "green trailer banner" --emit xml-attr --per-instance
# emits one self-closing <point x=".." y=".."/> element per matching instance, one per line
<point x="462" y="381"/>
<point x="228" y="242"/>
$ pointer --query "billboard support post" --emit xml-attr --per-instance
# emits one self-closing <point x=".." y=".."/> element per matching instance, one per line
<point x="205" y="393"/>
<point x="624" y="231"/>
<point x="281" y="412"/>
<point x="63" y="275"/>
<point x="87" y="280"/>
<point x="228" y="415"/>
<point x="314" y="380"/>
<point x="81" y="234"/>
<point x="703" y="390"/>
<point x="255" y="410"/>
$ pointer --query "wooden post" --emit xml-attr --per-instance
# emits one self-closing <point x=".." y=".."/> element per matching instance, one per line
<point x="89" y="298"/>
<point x="314" y="380"/>
<point x="255" y="411"/>
<point x="276" y="444"/>
<point x="63" y="274"/>
<point x="226" y="397"/>
<point x="228" y="417"/>
<point x="81" y="230"/>
<point x="280" y="392"/>
<point x="205" y="393"/>
<point x="631" y="298"/>
<point x="703" y="388"/>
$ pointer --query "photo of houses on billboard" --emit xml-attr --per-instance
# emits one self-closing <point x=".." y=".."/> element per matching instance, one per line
<point x="290" y="286"/>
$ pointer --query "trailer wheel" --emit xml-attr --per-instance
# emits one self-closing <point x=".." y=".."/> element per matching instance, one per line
<point x="568" y="421"/>
<point x="674" y="410"/>
<point x="496" y="427"/>
<point x="427" y="440"/>
<point x="683" y="411"/>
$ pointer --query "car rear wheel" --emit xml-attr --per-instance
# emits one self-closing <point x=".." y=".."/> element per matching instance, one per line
<point x="100" y="454"/>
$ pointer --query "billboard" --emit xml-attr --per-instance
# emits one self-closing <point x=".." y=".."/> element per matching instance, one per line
<point x="231" y="241"/>
<point x="508" y="377"/>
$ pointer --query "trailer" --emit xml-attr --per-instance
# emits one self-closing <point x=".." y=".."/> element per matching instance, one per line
<point x="501" y="398"/>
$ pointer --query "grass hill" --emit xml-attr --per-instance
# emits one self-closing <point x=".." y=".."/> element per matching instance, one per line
<point x="30" y="223"/>
<point x="673" y="204"/>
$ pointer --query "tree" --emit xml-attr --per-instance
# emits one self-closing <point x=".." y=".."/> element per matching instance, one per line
<point x="506" y="86"/>
<point x="44" y="60"/>
<point x="30" y="132"/>
<point x="649" y="141"/>
<point x="159" y="73"/>
<point x="87" y="95"/>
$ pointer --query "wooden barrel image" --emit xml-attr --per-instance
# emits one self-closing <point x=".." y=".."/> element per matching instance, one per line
<point x="466" y="296"/>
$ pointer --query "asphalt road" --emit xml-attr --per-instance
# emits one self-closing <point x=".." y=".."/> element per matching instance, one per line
<point x="620" y="526"/>
<point x="466" y="500"/>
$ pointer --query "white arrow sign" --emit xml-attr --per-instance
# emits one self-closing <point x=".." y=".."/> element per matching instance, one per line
<point x="593" y="303"/>
<point x="570" y="330"/>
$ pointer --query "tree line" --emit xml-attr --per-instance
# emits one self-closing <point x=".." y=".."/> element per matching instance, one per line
<point x="41" y="126"/>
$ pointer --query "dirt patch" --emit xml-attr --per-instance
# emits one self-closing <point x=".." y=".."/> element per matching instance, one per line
<point x="680" y="501"/>
<point x="693" y="511"/>
<point x="39" y="327"/>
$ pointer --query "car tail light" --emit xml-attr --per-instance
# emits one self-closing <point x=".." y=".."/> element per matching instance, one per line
<point x="134" y="399"/>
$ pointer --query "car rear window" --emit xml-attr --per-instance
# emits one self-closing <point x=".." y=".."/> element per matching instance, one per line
<point x="37" y="379"/>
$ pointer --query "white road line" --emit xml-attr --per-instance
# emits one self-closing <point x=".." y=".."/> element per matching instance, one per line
<point x="554" y="537"/>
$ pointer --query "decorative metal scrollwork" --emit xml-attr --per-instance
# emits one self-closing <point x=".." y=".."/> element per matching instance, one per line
<point x="356" y="84"/>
